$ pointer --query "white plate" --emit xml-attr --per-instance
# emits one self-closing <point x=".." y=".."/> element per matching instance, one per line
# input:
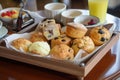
<point x="3" y="31"/>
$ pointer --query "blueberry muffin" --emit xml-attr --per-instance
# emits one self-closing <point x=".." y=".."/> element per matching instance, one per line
<point x="99" y="35"/>
<point x="85" y="43"/>
<point x="62" y="39"/>
<point x="62" y="52"/>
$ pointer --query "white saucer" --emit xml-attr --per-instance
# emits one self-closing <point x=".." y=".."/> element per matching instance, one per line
<point x="3" y="31"/>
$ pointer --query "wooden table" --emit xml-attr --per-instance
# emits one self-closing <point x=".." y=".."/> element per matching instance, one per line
<point x="107" y="69"/>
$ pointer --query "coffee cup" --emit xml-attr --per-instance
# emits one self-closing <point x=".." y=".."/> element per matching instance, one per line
<point x="54" y="10"/>
<point x="69" y="15"/>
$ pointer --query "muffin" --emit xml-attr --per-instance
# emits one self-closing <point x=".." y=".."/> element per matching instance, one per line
<point x="21" y="44"/>
<point x="37" y="36"/>
<point x="85" y="43"/>
<point x="62" y="52"/>
<point x="51" y="31"/>
<point x="40" y="48"/>
<point x="99" y="35"/>
<point x="62" y="39"/>
<point x="75" y="30"/>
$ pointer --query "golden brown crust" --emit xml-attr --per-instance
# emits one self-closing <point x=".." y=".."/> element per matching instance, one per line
<point x="62" y="39"/>
<point x="37" y="36"/>
<point x="21" y="43"/>
<point x="99" y="35"/>
<point x="84" y="43"/>
<point x="76" y="30"/>
<point x="62" y="52"/>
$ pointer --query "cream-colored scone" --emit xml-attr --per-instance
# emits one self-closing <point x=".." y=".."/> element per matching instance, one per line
<point x="99" y="35"/>
<point x="40" y="48"/>
<point x="62" y="39"/>
<point x="62" y="52"/>
<point x="51" y="31"/>
<point x="75" y="30"/>
<point x="37" y="36"/>
<point x="21" y="44"/>
<point x="85" y="43"/>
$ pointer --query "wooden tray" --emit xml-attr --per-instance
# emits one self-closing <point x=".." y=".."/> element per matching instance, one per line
<point x="62" y="66"/>
<point x="79" y="70"/>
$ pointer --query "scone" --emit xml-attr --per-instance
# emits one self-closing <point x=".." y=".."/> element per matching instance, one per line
<point x="51" y="31"/>
<point x="85" y="43"/>
<point x="99" y="35"/>
<point x="40" y="48"/>
<point x="62" y="52"/>
<point x="75" y="30"/>
<point x="37" y="36"/>
<point x="62" y="39"/>
<point x="21" y="44"/>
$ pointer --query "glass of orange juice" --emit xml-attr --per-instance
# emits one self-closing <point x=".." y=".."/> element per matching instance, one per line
<point x="98" y="8"/>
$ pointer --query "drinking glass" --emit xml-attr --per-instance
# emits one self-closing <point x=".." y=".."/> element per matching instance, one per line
<point x="98" y="8"/>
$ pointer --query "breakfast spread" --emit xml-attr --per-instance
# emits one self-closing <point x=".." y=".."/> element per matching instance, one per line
<point x="49" y="40"/>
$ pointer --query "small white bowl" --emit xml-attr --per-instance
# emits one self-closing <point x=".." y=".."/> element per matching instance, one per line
<point x="7" y="20"/>
<point x="69" y="15"/>
<point x="87" y="20"/>
<point x="54" y="10"/>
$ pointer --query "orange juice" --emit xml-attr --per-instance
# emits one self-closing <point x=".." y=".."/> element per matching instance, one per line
<point x="98" y="8"/>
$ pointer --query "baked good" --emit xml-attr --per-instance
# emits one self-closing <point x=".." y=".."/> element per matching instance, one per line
<point x="45" y="22"/>
<point x="99" y="35"/>
<point x="40" y="48"/>
<point x="37" y="36"/>
<point x="21" y="44"/>
<point x="51" y="31"/>
<point x="62" y="39"/>
<point x="85" y="43"/>
<point x="62" y="52"/>
<point x="75" y="30"/>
